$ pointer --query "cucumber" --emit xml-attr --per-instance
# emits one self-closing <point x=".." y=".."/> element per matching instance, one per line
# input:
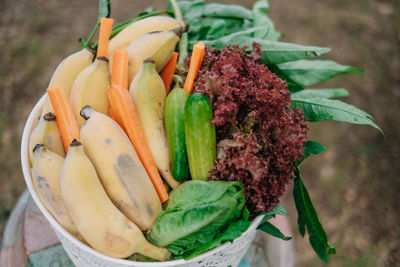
<point x="200" y="136"/>
<point x="175" y="129"/>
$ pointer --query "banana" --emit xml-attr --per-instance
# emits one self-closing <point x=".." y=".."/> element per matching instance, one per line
<point x="120" y="170"/>
<point x="46" y="179"/>
<point x="90" y="89"/>
<point x="47" y="133"/>
<point x="148" y="93"/>
<point x="156" y="45"/>
<point x="157" y="23"/>
<point x="66" y="73"/>
<point x="102" y="225"/>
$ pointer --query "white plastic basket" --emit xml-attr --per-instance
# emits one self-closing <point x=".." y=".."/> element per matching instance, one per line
<point x="229" y="254"/>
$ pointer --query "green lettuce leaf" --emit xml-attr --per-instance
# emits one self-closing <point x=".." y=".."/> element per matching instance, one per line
<point x="261" y="19"/>
<point x="195" y="213"/>
<point x="310" y="72"/>
<point x="321" y="93"/>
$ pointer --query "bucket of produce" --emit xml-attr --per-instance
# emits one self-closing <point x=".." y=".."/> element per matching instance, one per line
<point x="82" y="254"/>
<point x="159" y="146"/>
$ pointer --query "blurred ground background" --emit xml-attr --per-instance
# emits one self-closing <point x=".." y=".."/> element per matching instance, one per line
<point x="355" y="184"/>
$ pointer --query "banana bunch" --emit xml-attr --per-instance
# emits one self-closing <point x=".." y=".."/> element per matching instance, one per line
<point x="148" y="93"/>
<point x="46" y="132"/>
<point x="157" y="23"/>
<point x="157" y="45"/>
<point x="100" y="192"/>
<point x="98" y="220"/>
<point x="120" y="170"/>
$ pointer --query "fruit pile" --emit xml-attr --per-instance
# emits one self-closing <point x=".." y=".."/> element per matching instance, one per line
<point x="143" y="150"/>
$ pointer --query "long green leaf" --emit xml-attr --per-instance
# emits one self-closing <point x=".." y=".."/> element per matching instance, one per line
<point x="311" y="148"/>
<point x="272" y="230"/>
<point x="321" y="93"/>
<point x="261" y="19"/>
<point x="267" y="227"/>
<point x="308" y="219"/>
<point x="310" y="72"/>
<point x="273" y="52"/>
<point x="321" y="109"/>
<point x="226" y="11"/>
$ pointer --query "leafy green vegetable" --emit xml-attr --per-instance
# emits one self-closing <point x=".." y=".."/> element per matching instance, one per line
<point x="310" y="72"/>
<point x="273" y="52"/>
<point x="308" y="219"/>
<point x="321" y="93"/>
<point x="195" y="213"/>
<point x="320" y="109"/>
<point x="261" y="19"/>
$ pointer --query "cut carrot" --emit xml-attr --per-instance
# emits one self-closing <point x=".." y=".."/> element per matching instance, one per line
<point x="124" y="109"/>
<point x="167" y="74"/>
<point x="104" y="36"/>
<point x="119" y="75"/>
<point x="66" y="122"/>
<point x="195" y="64"/>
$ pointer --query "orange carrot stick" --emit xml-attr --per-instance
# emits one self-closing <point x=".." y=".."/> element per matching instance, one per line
<point x="66" y="122"/>
<point x="195" y="64"/>
<point x="119" y="75"/>
<point x="167" y="74"/>
<point x="125" y="111"/>
<point x="106" y="25"/>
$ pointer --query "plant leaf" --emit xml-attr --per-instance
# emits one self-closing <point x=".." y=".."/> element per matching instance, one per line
<point x="272" y="230"/>
<point x="104" y="9"/>
<point x="310" y="72"/>
<point x="273" y="52"/>
<point x="320" y="109"/>
<point x="321" y="93"/>
<point x="278" y="209"/>
<point x="260" y="18"/>
<point x="311" y="148"/>
<point x="226" y="11"/>
<point x="308" y="219"/>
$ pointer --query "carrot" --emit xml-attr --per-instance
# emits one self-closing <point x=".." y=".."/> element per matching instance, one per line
<point x="195" y="64"/>
<point x="119" y="75"/>
<point x="66" y="122"/>
<point x="125" y="111"/>
<point x="106" y="25"/>
<point x="167" y="74"/>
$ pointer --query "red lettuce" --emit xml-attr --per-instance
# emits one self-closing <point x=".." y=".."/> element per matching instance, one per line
<point x="260" y="136"/>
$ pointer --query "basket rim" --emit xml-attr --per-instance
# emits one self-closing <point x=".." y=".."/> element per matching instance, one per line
<point x="29" y="125"/>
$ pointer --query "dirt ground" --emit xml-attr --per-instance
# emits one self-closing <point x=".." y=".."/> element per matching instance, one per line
<point x="355" y="184"/>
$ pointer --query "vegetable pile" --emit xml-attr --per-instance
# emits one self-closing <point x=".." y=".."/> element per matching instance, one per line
<point x="149" y="152"/>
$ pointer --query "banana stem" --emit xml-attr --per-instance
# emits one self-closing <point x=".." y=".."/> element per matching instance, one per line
<point x="183" y="43"/>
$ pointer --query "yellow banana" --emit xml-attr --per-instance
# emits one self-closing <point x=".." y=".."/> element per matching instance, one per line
<point x="157" y="23"/>
<point x="90" y="89"/>
<point x="148" y="93"/>
<point x="102" y="225"/>
<point x="66" y="73"/>
<point x="46" y="179"/>
<point x="47" y="133"/>
<point x="120" y="170"/>
<point x="156" y="45"/>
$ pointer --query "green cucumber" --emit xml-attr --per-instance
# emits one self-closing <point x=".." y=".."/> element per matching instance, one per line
<point x="175" y="127"/>
<point x="200" y="136"/>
